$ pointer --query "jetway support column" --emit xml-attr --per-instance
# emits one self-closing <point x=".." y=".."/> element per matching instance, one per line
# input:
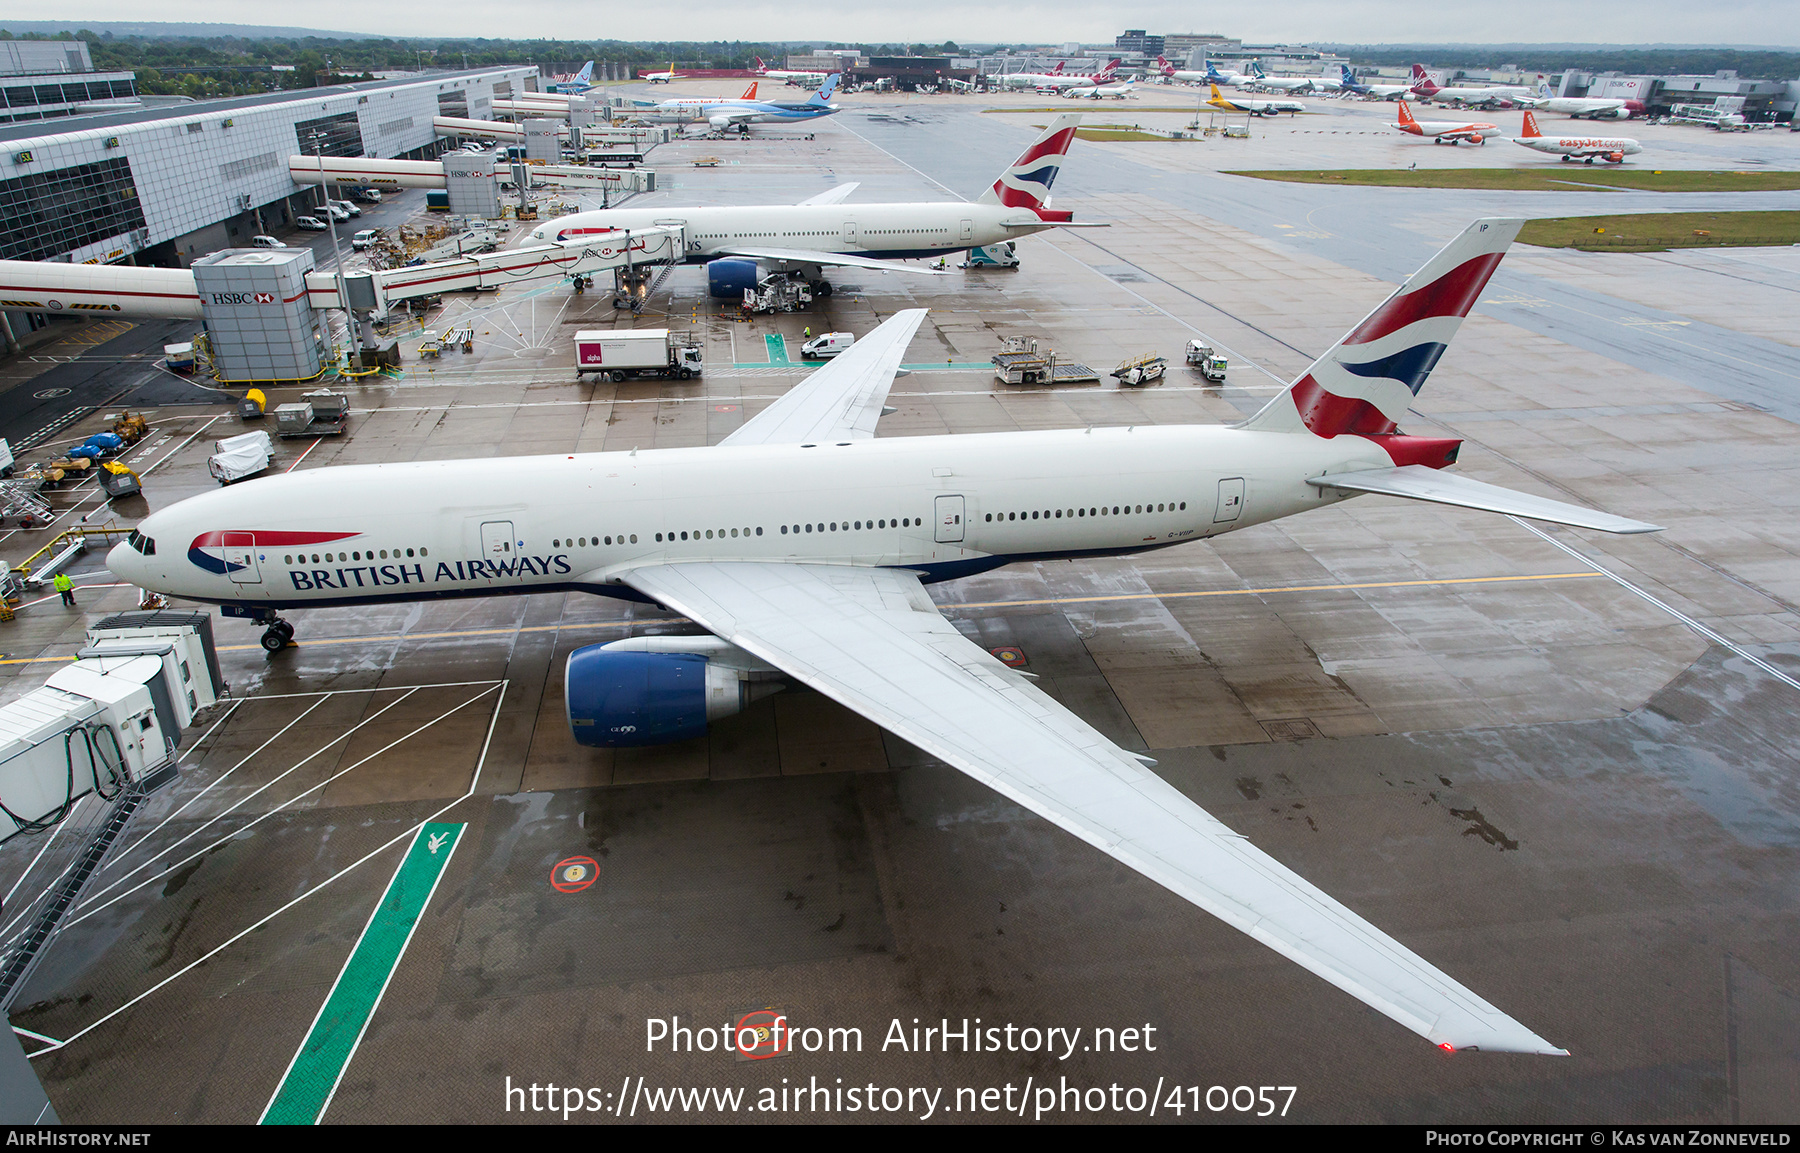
<point x="259" y="320"/>
<point x="473" y="188"/>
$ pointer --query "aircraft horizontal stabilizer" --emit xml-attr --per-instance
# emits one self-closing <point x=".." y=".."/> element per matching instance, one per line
<point x="1416" y="482"/>
<point x="813" y="256"/>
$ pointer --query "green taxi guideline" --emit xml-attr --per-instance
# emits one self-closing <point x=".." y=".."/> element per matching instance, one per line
<point x="313" y="1075"/>
<point x="777" y="344"/>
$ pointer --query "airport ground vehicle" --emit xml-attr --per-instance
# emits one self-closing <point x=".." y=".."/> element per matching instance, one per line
<point x="319" y="413"/>
<point x="623" y="352"/>
<point x="6" y="459"/>
<point x="260" y="241"/>
<point x="827" y="344"/>
<point x="367" y="195"/>
<point x="310" y="224"/>
<point x="365" y="238"/>
<point x="1211" y="365"/>
<point x="346" y="207"/>
<point x="179" y="357"/>
<point x="335" y="212"/>
<point x="236" y="457"/>
<point x="1145" y="369"/>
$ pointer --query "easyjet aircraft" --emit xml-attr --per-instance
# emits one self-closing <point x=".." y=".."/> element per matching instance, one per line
<point x="803" y="544"/>
<point x="1445" y="131"/>
<point x="1612" y="149"/>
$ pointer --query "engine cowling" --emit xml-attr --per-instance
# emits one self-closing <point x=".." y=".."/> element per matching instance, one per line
<point x="656" y="690"/>
<point x="727" y="279"/>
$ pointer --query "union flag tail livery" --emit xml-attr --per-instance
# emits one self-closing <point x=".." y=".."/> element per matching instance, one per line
<point x="1027" y="183"/>
<point x="1531" y="126"/>
<point x="1364" y="384"/>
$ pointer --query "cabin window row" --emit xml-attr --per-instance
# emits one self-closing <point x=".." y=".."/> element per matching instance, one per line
<point x="584" y="542"/>
<point x="1101" y="510"/>
<point x="364" y="555"/>
<point x="709" y="534"/>
<point x="853" y="526"/>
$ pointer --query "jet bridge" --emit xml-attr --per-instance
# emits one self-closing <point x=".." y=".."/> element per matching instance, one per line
<point x="262" y="306"/>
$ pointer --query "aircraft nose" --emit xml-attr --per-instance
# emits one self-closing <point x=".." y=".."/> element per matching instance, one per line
<point x="121" y="561"/>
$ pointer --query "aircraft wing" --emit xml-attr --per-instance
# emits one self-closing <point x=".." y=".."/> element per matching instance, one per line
<point x="833" y="196"/>
<point x="872" y="640"/>
<point x="1429" y="484"/>
<point x="811" y="256"/>
<point x="842" y="400"/>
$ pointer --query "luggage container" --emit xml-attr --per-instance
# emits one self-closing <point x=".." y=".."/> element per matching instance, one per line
<point x="237" y="457"/>
<point x="320" y="413"/>
<point x="179" y="357"/>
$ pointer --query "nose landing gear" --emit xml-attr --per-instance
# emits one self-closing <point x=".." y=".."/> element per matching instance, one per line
<point x="278" y="635"/>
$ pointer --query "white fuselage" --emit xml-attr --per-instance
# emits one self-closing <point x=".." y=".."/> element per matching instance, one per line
<point x="1257" y="107"/>
<point x="1581" y="145"/>
<point x="1048" y="80"/>
<point x="1579" y="106"/>
<point x="1493" y="95"/>
<point x="874" y="230"/>
<point x="946" y="505"/>
<point x="793" y="77"/>
<point x="1290" y="83"/>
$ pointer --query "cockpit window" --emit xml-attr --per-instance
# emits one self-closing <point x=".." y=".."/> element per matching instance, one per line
<point x="141" y="543"/>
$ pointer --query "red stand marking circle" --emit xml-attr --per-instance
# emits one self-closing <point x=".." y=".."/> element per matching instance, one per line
<point x="772" y="1034"/>
<point x="573" y="874"/>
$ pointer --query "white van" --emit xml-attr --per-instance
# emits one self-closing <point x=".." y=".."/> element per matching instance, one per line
<point x="265" y="242"/>
<point x="366" y="238"/>
<point x="348" y="207"/>
<point x="827" y="344"/>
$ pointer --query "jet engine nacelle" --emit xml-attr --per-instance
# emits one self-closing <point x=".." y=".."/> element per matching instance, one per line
<point x="1616" y="157"/>
<point x="654" y="690"/>
<point x="728" y="279"/>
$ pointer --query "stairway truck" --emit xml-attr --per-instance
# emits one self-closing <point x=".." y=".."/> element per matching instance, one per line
<point x="627" y="352"/>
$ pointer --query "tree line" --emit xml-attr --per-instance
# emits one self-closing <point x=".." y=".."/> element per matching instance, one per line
<point x="1758" y="64"/>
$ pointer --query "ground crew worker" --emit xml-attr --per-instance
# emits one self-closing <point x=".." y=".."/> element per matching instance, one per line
<point x="62" y="584"/>
<point x="807" y="332"/>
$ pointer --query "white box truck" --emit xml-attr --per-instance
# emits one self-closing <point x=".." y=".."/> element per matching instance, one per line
<point x="622" y="352"/>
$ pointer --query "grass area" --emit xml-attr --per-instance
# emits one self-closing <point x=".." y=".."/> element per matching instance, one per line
<point x="1117" y="132"/>
<point x="1548" y="178"/>
<point x="1078" y="105"/>
<point x="1661" y="231"/>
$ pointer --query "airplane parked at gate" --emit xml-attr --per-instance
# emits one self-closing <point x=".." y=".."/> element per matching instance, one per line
<point x="1444" y="131"/>
<point x="1578" y="107"/>
<point x="1059" y="80"/>
<point x="582" y="81"/>
<point x="1349" y="83"/>
<point x="790" y="77"/>
<point x="1612" y="149"/>
<point x="1253" y="106"/>
<point x="823" y="231"/>
<point x="1103" y="92"/>
<point x="1491" y="96"/>
<point x="1260" y="79"/>
<point x="803" y="543"/>
<point x="1211" y="75"/>
<point x="742" y="112"/>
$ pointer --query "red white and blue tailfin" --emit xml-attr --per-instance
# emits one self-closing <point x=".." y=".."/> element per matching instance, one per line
<point x="1027" y="183"/>
<point x="1364" y="383"/>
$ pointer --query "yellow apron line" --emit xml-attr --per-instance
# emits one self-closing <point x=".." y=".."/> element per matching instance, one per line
<point x="1555" y="576"/>
<point x="569" y="627"/>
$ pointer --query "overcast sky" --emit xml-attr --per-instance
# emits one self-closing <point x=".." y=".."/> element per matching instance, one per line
<point x="1771" y="22"/>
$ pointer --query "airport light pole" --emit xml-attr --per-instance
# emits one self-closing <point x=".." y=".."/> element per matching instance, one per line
<point x="337" y="254"/>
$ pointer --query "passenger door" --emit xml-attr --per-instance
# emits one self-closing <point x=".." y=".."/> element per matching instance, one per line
<point x="240" y="557"/>
<point x="949" y="519"/>
<point x="848" y="235"/>
<point x="1231" y="500"/>
<point x="498" y="548"/>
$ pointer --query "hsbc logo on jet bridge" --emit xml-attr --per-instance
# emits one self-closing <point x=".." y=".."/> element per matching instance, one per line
<point x="243" y="298"/>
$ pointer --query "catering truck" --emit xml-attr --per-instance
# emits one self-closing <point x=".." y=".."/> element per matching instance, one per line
<point x="622" y="352"/>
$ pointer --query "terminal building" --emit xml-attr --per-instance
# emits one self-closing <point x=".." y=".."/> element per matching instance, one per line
<point x="167" y="185"/>
<point x="47" y="79"/>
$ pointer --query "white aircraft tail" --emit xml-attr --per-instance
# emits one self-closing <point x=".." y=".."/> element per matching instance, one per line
<point x="1365" y="383"/>
<point x="1026" y="184"/>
